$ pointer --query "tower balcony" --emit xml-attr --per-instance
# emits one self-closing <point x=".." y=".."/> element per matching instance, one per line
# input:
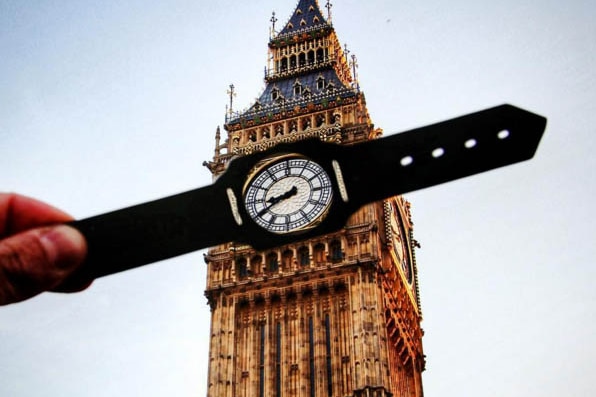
<point x="303" y="67"/>
<point x="301" y="34"/>
<point x="263" y="113"/>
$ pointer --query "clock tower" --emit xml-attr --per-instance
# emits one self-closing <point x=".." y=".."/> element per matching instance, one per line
<point x="334" y="316"/>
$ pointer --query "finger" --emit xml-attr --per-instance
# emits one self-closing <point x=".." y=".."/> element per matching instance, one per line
<point x="18" y="213"/>
<point x="38" y="260"/>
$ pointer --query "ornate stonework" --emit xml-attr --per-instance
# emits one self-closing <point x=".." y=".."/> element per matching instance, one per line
<point x="338" y="315"/>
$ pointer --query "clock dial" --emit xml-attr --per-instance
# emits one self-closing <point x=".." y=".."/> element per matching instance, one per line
<point x="288" y="194"/>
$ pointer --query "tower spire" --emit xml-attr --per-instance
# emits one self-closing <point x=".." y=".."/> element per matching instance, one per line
<point x="217" y="140"/>
<point x="354" y="65"/>
<point x="232" y="93"/>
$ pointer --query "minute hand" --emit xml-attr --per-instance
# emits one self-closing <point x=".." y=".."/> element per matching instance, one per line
<point x="274" y="200"/>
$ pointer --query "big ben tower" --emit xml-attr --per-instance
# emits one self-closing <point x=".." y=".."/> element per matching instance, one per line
<point x="334" y="316"/>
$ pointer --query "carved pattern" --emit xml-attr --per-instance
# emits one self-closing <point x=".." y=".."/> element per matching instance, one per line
<point x="324" y="134"/>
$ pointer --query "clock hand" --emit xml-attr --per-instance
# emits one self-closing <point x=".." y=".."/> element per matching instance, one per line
<point x="286" y="195"/>
<point x="274" y="200"/>
<point x="292" y="192"/>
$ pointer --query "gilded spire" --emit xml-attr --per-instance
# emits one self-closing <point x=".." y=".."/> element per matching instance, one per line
<point x="306" y="16"/>
<point x="328" y="6"/>
<point x="306" y="66"/>
<point x="232" y="93"/>
<point x="272" y="20"/>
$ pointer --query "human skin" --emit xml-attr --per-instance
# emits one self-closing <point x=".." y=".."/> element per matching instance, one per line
<point x="37" y="251"/>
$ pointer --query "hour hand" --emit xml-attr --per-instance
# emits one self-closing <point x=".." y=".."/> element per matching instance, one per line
<point x="286" y="195"/>
<point x="276" y="199"/>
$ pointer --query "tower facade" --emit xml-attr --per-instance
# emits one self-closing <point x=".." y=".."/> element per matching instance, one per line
<point x="333" y="316"/>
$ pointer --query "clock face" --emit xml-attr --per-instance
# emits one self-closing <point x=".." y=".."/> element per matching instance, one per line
<point x="289" y="194"/>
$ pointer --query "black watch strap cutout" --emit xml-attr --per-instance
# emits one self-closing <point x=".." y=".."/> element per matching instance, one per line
<point x="400" y="163"/>
<point x="156" y="230"/>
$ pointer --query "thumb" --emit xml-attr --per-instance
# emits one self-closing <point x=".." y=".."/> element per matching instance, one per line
<point x="38" y="260"/>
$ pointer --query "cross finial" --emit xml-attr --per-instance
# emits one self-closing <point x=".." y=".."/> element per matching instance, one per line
<point x="232" y="94"/>
<point x="273" y="20"/>
<point x="328" y="6"/>
<point x="354" y="65"/>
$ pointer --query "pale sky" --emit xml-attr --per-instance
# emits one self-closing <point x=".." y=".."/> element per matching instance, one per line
<point x="112" y="104"/>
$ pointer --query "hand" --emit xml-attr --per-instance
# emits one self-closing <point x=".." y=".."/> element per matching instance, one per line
<point x="36" y="255"/>
<point x="274" y="200"/>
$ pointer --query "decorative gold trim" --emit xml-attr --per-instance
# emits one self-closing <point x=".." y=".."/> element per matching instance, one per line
<point x="234" y="206"/>
<point x="262" y="165"/>
<point x="343" y="192"/>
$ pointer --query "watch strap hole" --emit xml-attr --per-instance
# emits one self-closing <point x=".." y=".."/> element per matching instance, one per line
<point x="503" y="134"/>
<point x="406" y="161"/>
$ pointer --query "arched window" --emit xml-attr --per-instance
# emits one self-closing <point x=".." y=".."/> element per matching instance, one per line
<point x="320" y="83"/>
<point x="303" y="256"/>
<point x="284" y="64"/>
<point x="319" y="253"/>
<point x="275" y="94"/>
<point x="272" y="262"/>
<point x="241" y="269"/>
<point x="279" y="130"/>
<point x="265" y="133"/>
<point x="286" y="260"/>
<point x="335" y="251"/>
<point x="255" y="265"/>
<point x="302" y="59"/>
<point x="320" y="120"/>
<point x="297" y="88"/>
<point x="320" y="55"/>
<point x="306" y="123"/>
<point x="311" y="57"/>
<point x="292" y="61"/>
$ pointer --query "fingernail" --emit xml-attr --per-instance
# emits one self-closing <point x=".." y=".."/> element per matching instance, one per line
<point x="64" y="245"/>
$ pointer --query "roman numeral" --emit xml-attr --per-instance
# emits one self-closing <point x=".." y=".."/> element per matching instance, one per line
<point x="316" y="175"/>
<point x="304" y="215"/>
<point x="272" y="175"/>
